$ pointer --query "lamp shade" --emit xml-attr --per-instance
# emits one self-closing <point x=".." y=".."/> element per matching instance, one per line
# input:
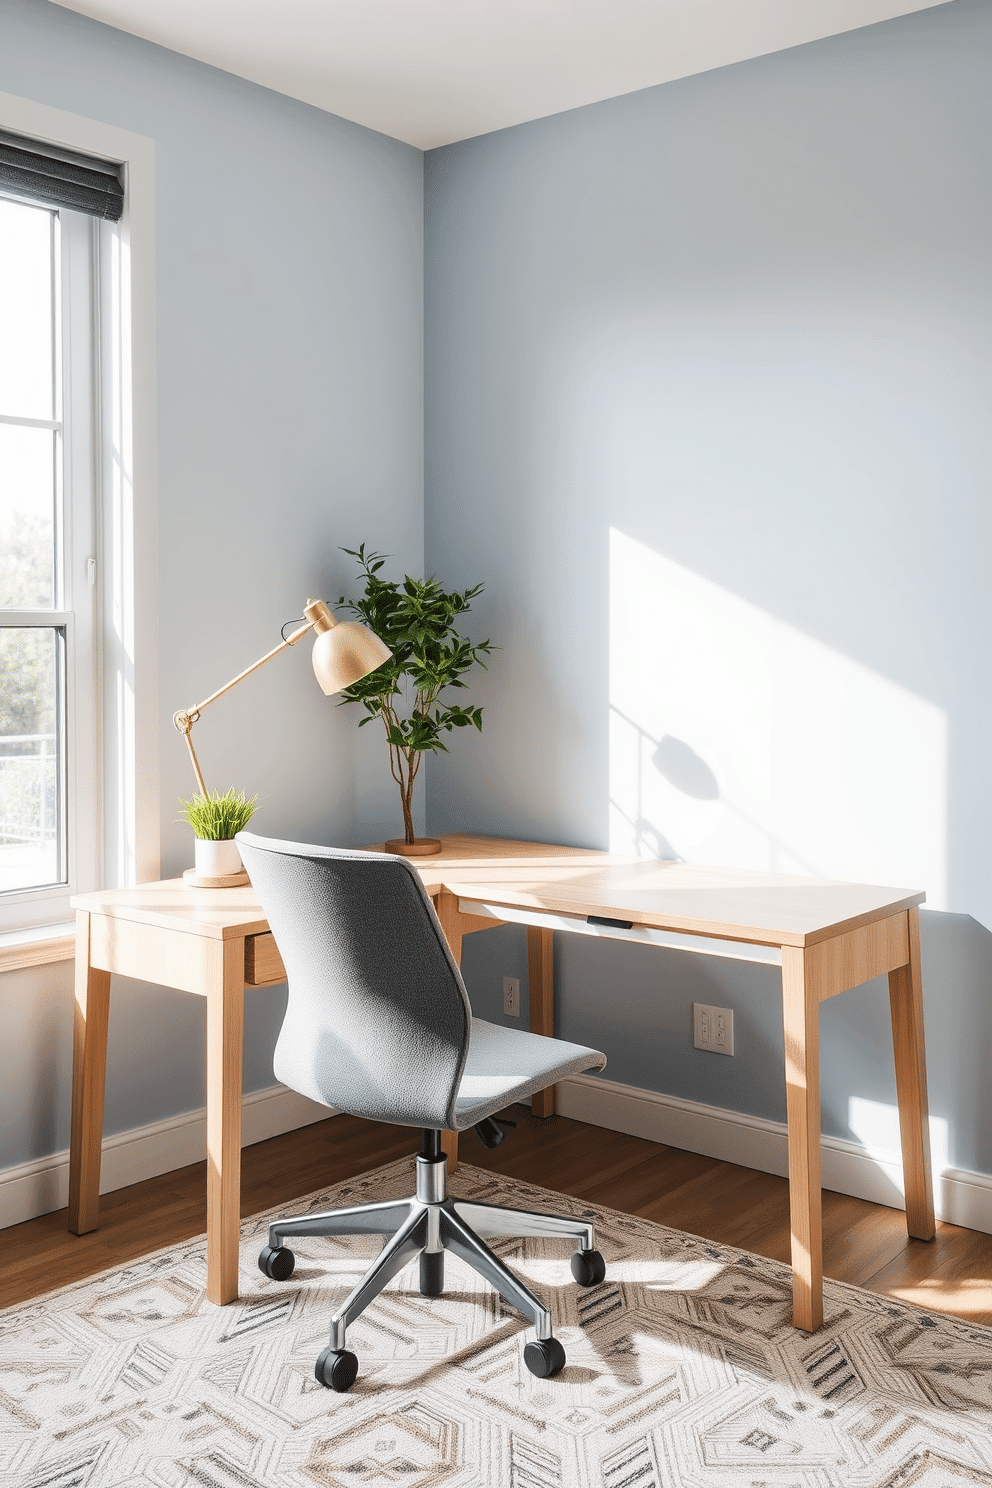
<point x="345" y="654"/>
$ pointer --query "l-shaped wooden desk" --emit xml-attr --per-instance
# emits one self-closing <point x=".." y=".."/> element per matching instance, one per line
<point x="827" y="937"/>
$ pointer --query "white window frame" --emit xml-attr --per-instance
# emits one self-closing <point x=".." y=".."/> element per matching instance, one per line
<point x="75" y="248"/>
<point x="122" y="706"/>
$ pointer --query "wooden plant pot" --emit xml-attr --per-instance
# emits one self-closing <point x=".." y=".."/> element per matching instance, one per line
<point x="422" y="847"/>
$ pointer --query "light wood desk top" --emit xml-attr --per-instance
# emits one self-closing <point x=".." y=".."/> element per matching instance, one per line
<point x="734" y="904"/>
<point x="730" y="903"/>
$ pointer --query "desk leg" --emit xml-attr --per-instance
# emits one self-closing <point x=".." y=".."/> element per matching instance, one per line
<point x="447" y="912"/>
<point x="89" y="1070"/>
<point x="541" y="995"/>
<point x="906" y="1004"/>
<point x="225" y="1036"/>
<point x="801" y="1016"/>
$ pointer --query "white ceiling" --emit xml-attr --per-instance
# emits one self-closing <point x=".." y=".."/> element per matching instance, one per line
<point x="433" y="71"/>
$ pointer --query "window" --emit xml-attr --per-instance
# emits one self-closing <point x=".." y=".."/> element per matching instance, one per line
<point x="50" y="766"/>
<point x="79" y="710"/>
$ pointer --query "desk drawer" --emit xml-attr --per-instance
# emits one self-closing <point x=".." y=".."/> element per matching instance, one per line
<point x="263" y="963"/>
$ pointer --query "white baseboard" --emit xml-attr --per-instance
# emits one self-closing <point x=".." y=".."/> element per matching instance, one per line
<point x="39" y="1187"/>
<point x="961" y="1197"/>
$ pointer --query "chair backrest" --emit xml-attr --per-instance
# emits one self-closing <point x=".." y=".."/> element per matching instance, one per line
<point x="378" y="1020"/>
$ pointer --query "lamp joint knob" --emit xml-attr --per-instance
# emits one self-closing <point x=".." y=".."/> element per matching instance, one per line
<point x="319" y="615"/>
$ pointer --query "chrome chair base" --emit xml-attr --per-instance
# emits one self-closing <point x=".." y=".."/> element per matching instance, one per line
<point x="427" y="1225"/>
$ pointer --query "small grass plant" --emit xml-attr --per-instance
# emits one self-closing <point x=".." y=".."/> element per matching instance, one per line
<point x="217" y="818"/>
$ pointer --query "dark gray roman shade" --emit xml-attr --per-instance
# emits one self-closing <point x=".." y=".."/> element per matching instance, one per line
<point x="60" y="178"/>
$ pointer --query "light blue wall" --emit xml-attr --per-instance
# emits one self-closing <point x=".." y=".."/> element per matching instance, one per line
<point x="290" y="408"/>
<point x="744" y="320"/>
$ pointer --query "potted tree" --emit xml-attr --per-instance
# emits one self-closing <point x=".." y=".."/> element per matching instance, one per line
<point x="416" y="620"/>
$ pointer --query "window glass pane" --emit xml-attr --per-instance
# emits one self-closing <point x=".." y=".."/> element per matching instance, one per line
<point x="30" y="758"/>
<point x="27" y="518"/>
<point x="25" y="311"/>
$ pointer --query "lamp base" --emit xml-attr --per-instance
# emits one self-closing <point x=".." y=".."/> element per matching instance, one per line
<point x="215" y="880"/>
<point x="423" y="847"/>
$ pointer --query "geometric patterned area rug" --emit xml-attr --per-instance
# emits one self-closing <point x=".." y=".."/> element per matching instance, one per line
<point x="683" y="1372"/>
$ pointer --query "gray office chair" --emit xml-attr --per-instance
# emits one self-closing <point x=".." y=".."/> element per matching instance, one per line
<point x="378" y="1024"/>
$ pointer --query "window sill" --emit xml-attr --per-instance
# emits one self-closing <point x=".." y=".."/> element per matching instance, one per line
<point x="42" y="945"/>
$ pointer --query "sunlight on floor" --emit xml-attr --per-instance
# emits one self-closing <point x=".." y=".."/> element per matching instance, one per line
<point x="965" y="1297"/>
<point x="658" y="1274"/>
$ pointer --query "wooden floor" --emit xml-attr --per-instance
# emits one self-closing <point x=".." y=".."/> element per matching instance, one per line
<point x="863" y="1243"/>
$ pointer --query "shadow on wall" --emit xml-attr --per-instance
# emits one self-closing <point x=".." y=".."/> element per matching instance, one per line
<point x="856" y="1051"/>
<point x="957" y="993"/>
<point x="736" y="739"/>
<point x="683" y="768"/>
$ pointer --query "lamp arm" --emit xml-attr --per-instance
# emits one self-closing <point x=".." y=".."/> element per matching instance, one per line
<point x="185" y="718"/>
<point x="290" y="640"/>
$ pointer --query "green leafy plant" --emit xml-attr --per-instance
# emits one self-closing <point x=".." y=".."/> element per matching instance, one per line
<point x="217" y="818"/>
<point x="416" y="619"/>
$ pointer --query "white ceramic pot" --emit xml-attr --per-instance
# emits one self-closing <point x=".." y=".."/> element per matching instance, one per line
<point x="215" y="859"/>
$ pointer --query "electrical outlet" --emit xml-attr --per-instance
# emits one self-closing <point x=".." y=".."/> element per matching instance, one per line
<point x="511" y="996"/>
<point x="712" y="1028"/>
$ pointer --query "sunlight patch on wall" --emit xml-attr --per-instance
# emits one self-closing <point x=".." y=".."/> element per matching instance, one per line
<point x="736" y="739"/>
<point x="876" y="1126"/>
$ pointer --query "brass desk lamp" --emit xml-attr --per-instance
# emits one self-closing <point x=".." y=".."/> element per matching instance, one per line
<point x="343" y="653"/>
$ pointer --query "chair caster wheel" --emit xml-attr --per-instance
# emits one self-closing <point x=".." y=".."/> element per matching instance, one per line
<point x="588" y="1267"/>
<point x="545" y="1358"/>
<point x="277" y="1263"/>
<point x="337" y="1369"/>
